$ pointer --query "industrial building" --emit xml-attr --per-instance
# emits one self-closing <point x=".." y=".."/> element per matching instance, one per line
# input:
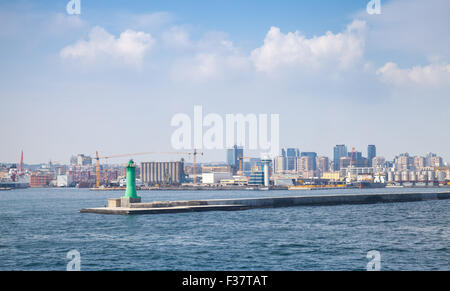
<point x="165" y="173"/>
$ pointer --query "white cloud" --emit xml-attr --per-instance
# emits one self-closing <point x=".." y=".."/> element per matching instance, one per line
<point x="430" y="75"/>
<point x="129" y="48"/>
<point x="209" y="66"/>
<point x="295" y="50"/>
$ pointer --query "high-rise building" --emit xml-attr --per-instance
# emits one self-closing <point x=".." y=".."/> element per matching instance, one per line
<point x="378" y="162"/>
<point x="313" y="157"/>
<point x="419" y="163"/>
<point x="323" y="164"/>
<point x="279" y="164"/>
<point x="305" y="164"/>
<point x="291" y="158"/>
<point x="428" y="159"/>
<point x="404" y="162"/>
<point x="340" y="151"/>
<point x="436" y="162"/>
<point x="234" y="155"/>
<point x="371" y="153"/>
<point x="358" y="160"/>
<point x="344" y="162"/>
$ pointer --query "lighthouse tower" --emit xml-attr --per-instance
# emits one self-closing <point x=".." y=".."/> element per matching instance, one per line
<point x="131" y="192"/>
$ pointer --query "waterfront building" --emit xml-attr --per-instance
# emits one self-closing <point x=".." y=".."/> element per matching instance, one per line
<point x="256" y="178"/>
<point x="168" y="173"/>
<point x="38" y="180"/>
<point x="215" y="177"/>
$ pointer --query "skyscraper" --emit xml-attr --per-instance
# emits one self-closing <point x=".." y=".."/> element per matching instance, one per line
<point x="313" y="157"/>
<point x="233" y="156"/>
<point x="291" y="158"/>
<point x="340" y="151"/>
<point x="371" y="153"/>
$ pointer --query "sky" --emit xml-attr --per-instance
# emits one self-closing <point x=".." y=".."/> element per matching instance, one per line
<point x="112" y="78"/>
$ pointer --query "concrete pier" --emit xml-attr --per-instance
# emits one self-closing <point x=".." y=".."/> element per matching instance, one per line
<point x="118" y="206"/>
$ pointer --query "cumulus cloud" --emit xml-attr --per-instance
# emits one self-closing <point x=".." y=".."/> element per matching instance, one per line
<point x="129" y="48"/>
<point x="430" y="75"/>
<point x="295" y="50"/>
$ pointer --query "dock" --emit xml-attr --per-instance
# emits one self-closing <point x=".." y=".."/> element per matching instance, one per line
<point x="126" y="206"/>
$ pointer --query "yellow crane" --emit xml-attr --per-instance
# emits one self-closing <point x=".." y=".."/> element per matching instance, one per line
<point x="98" y="158"/>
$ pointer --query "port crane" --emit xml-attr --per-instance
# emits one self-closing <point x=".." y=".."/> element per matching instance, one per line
<point x="194" y="154"/>
<point x="98" y="158"/>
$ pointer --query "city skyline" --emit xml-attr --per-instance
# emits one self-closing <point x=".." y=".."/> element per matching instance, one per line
<point x="335" y="75"/>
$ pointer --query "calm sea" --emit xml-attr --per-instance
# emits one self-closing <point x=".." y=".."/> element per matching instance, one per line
<point x="38" y="227"/>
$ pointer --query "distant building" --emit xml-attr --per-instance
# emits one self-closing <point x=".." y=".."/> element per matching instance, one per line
<point x="64" y="181"/>
<point x="313" y="157"/>
<point x="279" y="164"/>
<point x="358" y="160"/>
<point x="256" y="179"/>
<point x="436" y="162"/>
<point x="340" y="151"/>
<point x="323" y="165"/>
<point x="371" y="153"/>
<point x="234" y="155"/>
<point x="404" y="162"/>
<point x="215" y="178"/>
<point x="291" y="158"/>
<point x="344" y="162"/>
<point x="419" y="163"/>
<point x="38" y="180"/>
<point x="80" y="160"/>
<point x="305" y="164"/>
<point x="217" y="169"/>
<point x="378" y="162"/>
<point x="168" y="173"/>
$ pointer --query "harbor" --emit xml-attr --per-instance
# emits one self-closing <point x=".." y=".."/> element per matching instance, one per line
<point x="122" y="206"/>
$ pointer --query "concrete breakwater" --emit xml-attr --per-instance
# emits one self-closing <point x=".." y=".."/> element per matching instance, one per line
<point x="127" y="206"/>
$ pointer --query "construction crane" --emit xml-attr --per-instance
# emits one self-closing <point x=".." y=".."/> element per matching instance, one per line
<point x="195" y="153"/>
<point x="98" y="158"/>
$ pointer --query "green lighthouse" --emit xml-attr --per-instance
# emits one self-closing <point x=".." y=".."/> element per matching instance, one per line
<point x="131" y="181"/>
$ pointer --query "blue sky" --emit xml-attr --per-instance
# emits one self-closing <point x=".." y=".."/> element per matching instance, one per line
<point x="74" y="84"/>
